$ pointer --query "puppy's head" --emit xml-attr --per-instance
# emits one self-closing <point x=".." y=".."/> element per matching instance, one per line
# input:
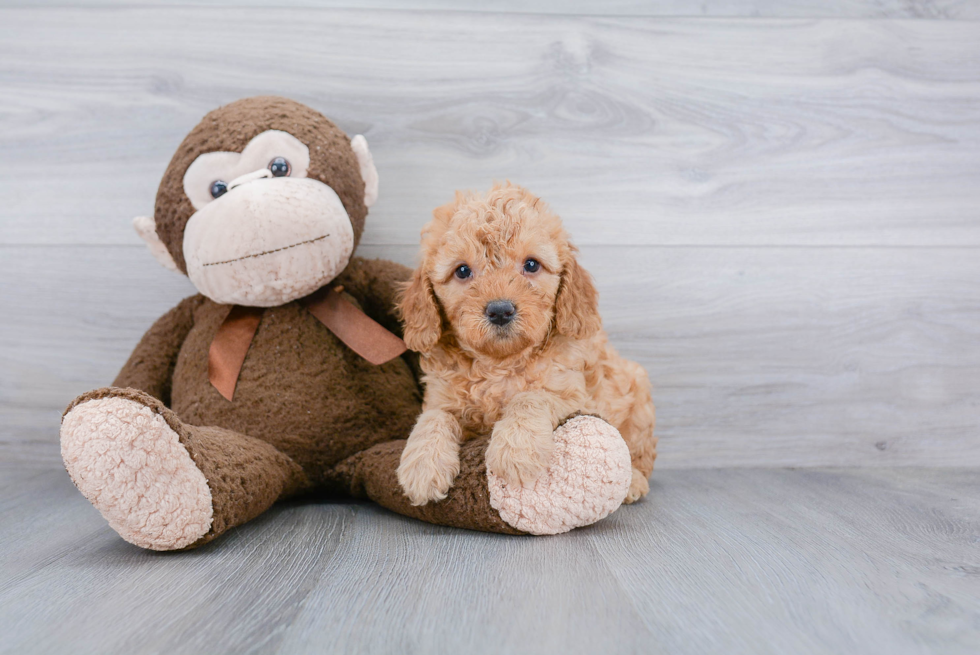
<point x="498" y="271"/>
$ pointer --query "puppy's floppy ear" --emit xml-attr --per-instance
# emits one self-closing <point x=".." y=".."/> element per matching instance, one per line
<point x="444" y="213"/>
<point x="420" y="313"/>
<point x="577" y="304"/>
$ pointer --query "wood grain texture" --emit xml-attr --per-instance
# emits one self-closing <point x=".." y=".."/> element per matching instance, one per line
<point x="735" y="561"/>
<point x="918" y="9"/>
<point x="782" y="215"/>
<point x="758" y="356"/>
<point x="637" y="130"/>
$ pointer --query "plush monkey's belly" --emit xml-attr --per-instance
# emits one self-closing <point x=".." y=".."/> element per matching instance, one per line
<point x="300" y="389"/>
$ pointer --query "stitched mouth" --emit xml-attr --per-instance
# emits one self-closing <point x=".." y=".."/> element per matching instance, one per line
<point x="268" y="252"/>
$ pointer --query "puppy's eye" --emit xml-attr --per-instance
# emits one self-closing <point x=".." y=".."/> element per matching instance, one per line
<point x="279" y="167"/>
<point x="218" y="188"/>
<point x="463" y="271"/>
<point x="532" y="266"/>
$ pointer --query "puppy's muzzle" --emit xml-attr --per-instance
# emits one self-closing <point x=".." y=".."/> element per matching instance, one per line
<point x="500" y="312"/>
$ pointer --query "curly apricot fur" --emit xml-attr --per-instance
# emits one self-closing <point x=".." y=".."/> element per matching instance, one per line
<point x="519" y="381"/>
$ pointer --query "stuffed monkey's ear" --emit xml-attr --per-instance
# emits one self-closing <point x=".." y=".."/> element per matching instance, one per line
<point x="577" y="305"/>
<point x="147" y="229"/>
<point x="368" y="172"/>
<point x="420" y="313"/>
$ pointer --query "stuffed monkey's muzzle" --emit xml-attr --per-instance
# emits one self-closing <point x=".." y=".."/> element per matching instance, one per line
<point x="268" y="241"/>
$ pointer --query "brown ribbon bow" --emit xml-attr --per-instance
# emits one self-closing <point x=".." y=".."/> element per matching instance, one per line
<point x="360" y="332"/>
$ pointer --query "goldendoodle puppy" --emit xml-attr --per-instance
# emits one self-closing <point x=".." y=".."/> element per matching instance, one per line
<point x="511" y="343"/>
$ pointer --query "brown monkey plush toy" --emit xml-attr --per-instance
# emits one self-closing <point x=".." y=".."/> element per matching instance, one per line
<point x="285" y="374"/>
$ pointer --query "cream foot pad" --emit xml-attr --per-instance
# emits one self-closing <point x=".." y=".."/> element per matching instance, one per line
<point x="588" y="479"/>
<point x="127" y="461"/>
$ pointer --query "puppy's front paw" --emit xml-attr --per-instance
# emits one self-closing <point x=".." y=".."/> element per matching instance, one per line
<point x="639" y="487"/>
<point x="517" y="455"/>
<point x="427" y="470"/>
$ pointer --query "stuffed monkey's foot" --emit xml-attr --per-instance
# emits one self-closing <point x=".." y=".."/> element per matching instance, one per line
<point x="129" y="463"/>
<point x="588" y="478"/>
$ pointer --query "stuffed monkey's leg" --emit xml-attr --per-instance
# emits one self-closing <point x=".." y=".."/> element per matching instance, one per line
<point x="373" y="474"/>
<point x="587" y="479"/>
<point x="162" y="484"/>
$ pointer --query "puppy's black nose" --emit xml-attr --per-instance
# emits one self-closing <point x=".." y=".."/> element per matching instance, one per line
<point x="500" y="312"/>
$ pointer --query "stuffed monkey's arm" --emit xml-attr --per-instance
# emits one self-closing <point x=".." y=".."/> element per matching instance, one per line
<point x="151" y="366"/>
<point x="376" y="283"/>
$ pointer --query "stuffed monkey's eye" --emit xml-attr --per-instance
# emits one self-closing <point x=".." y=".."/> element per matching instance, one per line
<point x="463" y="271"/>
<point x="532" y="266"/>
<point x="218" y="188"/>
<point x="279" y="167"/>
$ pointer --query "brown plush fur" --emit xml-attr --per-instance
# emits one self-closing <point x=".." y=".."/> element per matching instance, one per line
<point x="304" y="403"/>
<point x="519" y="381"/>
<point x="372" y="474"/>
<point x="300" y="387"/>
<point x="229" y="129"/>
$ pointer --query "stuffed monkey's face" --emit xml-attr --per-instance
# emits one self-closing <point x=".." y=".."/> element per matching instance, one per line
<point x="263" y="233"/>
<point x="263" y="202"/>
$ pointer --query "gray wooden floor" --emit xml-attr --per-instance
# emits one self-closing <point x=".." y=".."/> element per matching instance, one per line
<point x="714" y="561"/>
<point x="779" y="202"/>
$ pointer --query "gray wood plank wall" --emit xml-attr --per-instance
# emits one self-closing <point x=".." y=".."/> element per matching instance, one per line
<point x="916" y="9"/>
<point x="782" y="214"/>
